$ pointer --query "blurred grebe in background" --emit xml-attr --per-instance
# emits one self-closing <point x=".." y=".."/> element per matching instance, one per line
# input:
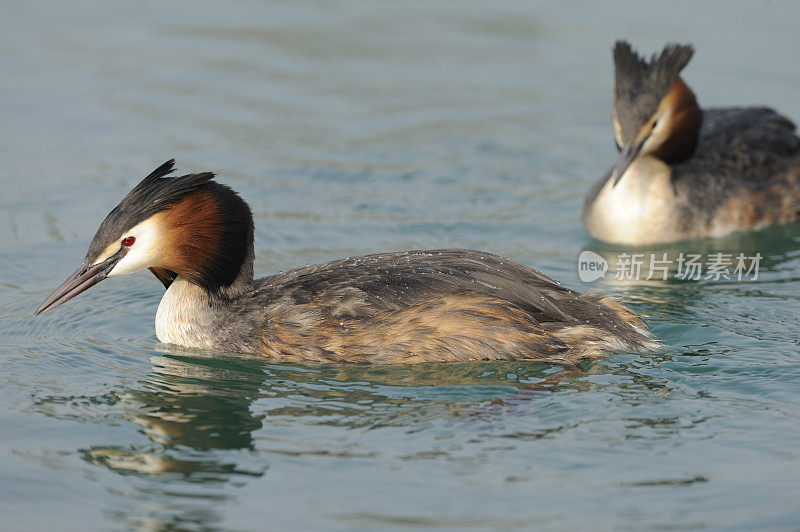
<point x="686" y="172"/>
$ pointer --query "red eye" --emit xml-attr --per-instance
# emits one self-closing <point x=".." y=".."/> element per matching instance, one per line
<point x="128" y="241"/>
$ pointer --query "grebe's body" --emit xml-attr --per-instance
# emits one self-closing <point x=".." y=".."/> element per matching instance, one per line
<point x="684" y="172"/>
<point x="196" y="236"/>
<point x="416" y="306"/>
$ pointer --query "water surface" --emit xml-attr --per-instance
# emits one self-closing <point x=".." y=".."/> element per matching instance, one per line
<point x="355" y="127"/>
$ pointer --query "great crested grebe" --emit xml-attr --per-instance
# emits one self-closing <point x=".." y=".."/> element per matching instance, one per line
<point x="684" y="172"/>
<point x="196" y="236"/>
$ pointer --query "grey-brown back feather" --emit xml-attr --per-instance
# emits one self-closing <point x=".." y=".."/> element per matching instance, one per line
<point x="751" y="150"/>
<point x="390" y="281"/>
<point x="750" y="146"/>
<point x="383" y="305"/>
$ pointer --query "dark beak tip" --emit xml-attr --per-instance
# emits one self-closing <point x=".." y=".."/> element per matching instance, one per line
<point x="80" y="281"/>
<point x="44" y="307"/>
<point x="626" y="159"/>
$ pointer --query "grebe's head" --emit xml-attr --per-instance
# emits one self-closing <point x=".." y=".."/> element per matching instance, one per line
<point x="188" y="226"/>
<point x="655" y="112"/>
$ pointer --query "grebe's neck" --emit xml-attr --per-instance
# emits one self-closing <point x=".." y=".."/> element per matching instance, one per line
<point x="191" y="316"/>
<point x="185" y="315"/>
<point x="242" y="282"/>
<point x="208" y="266"/>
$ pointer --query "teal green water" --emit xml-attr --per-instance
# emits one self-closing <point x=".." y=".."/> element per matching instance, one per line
<point x="354" y="127"/>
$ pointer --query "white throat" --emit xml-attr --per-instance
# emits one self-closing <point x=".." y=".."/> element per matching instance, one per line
<point x="184" y="316"/>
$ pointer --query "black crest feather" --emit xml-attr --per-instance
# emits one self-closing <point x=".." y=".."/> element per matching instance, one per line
<point x="634" y="74"/>
<point x="157" y="191"/>
<point x="641" y="84"/>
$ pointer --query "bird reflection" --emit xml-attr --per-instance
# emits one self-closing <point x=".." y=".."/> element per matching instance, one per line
<point x="775" y="245"/>
<point x="192" y="405"/>
<point x="207" y="418"/>
<point x="678" y="301"/>
<point x="186" y="407"/>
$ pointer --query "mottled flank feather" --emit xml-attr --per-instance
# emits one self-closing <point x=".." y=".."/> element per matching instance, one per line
<point x="429" y="306"/>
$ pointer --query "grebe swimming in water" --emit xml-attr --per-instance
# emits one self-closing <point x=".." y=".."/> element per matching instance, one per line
<point x="196" y="236"/>
<point x="686" y="172"/>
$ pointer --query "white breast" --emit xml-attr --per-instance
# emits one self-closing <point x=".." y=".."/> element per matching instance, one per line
<point x="641" y="209"/>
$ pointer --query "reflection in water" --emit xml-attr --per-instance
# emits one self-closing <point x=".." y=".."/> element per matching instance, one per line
<point x="192" y="404"/>
<point x="776" y="245"/>
<point x="186" y="409"/>
<point x="213" y="421"/>
<point x="710" y="301"/>
<point x="354" y="128"/>
<point x="198" y="419"/>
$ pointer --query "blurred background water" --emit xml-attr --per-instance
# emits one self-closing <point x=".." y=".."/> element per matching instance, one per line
<point x="354" y="127"/>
